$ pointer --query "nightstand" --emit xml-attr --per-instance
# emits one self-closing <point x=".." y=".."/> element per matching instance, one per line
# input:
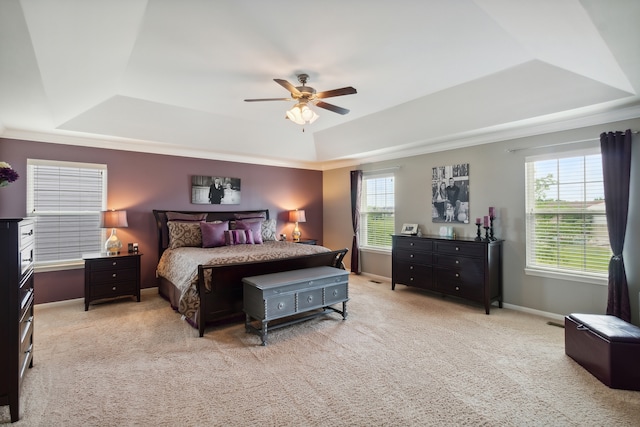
<point x="308" y="241"/>
<point x="110" y="276"/>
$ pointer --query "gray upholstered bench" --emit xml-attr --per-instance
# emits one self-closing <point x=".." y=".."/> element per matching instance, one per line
<point x="606" y="346"/>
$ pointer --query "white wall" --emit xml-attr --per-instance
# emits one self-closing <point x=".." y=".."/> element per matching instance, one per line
<point x="496" y="178"/>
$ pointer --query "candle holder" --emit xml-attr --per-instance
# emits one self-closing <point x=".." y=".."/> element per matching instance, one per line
<point x="486" y="234"/>
<point x="491" y="237"/>
<point x="479" y="235"/>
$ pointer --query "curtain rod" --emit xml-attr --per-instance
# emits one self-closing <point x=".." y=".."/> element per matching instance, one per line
<point x="513" y="150"/>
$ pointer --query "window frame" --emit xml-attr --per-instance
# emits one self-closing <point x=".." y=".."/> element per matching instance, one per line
<point x="365" y="214"/>
<point x="533" y="269"/>
<point x="32" y="164"/>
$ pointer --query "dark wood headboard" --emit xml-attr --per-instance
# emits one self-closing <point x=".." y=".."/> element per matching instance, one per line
<point x="163" y="230"/>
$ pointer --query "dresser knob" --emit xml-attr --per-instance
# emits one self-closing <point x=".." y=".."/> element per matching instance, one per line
<point x="411" y="256"/>
<point x="457" y="288"/>
<point x="411" y="267"/>
<point x="411" y="244"/>
<point x="114" y="263"/>
<point x="113" y="289"/>
<point x="457" y="275"/>
<point x="457" y="248"/>
<point x="280" y="306"/>
<point x="457" y="262"/>
<point x="411" y="279"/>
<point x="335" y="292"/>
<point x="114" y="275"/>
<point x="309" y="298"/>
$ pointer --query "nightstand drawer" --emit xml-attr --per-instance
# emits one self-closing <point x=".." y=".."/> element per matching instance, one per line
<point x="113" y="276"/>
<point x="114" y="263"/>
<point x="113" y="290"/>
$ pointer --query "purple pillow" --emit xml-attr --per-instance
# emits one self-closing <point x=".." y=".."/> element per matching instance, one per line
<point x="254" y="226"/>
<point x="213" y="233"/>
<point x="238" y="237"/>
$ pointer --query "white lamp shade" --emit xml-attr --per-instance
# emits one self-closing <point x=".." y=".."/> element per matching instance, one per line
<point x="113" y="219"/>
<point x="297" y="216"/>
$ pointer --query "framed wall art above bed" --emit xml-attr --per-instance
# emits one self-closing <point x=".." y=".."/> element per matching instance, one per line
<point x="215" y="190"/>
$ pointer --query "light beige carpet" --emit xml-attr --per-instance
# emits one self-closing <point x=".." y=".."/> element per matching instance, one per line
<point x="402" y="358"/>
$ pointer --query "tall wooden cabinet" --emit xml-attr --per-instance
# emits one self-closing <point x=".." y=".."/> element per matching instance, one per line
<point x="16" y="309"/>
<point x="460" y="267"/>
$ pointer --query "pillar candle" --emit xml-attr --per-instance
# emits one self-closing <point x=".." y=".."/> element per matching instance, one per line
<point x="486" y="221"/>
<point x="492" y="212"/>
<point x="478" y="221"/>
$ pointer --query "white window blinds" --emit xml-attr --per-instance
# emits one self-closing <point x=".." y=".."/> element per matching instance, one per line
<point x="565" y="209"/>
<point x="377" y="210"/>
<point x="65" y="200"/>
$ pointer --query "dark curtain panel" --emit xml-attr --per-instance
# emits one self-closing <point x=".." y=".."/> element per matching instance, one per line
<point x="616" y="168"/>
<point x="356" y="194"/>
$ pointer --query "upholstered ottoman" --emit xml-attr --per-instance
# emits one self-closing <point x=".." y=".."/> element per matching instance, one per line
<point x="606" y="346"/>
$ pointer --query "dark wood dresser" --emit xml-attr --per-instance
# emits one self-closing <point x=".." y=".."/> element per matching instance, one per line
<point x="111" y="276"/>
<point x="16" y="309"/>
<point x="459" y="267"/>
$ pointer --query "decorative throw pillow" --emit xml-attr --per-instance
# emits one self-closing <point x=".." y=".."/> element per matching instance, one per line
<point x="269" y="230"/>
<point x="213" y="233"/>
<point x="238" y="237"/>
<point x="254" y="226"/>
<point x="177" y="216"/>
<point x="183" y="234"/>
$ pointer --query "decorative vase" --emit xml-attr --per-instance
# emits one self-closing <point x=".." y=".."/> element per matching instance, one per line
<point x="4" y="183"/>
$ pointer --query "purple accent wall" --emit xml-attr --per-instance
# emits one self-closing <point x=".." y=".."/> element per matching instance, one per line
<point x="141" y="182"/>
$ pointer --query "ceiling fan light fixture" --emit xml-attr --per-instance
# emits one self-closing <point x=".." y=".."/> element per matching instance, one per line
<point x="301" y="114"/>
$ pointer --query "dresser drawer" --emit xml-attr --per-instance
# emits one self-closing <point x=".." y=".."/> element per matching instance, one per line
<point x="280" y="306"/>
<point x="113" y="290"/>
<point x="335" y="294"/>
<point x="460" y="249"/>
<point x="416" y="243"/>
<point x="412" y="274"/>
<point x="460" y="289"/>
<point x="456" y="261"/>
<point x="26" y="258"/>
<point x="113" y="276"/>
<point x="26" y="233"/>
<point x="446" y="278"/>
<point x="113" y="263"/>
<point x="309" y="299"/>
<point x="413" y="256"/>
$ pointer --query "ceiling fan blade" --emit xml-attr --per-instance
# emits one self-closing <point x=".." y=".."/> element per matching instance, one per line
<point x="268" y="99"/>
<point x="288" y="86"/>
<point x="332" y="107"/>
<point x="337" y="92"/>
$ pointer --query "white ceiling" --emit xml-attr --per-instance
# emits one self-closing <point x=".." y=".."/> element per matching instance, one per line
<point x="170" y="76"/>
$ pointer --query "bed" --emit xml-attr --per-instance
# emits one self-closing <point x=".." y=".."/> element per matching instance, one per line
<point x="204" y="284"/>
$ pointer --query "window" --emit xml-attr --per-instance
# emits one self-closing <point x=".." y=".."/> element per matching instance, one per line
<point x="377" y="211"/>
<point x="65" y="200"/>
<point x="565" y="213"/>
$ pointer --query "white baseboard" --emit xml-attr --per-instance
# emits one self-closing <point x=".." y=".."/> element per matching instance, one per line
<point x="144" y="291"/>
<point x="554" y="316"/>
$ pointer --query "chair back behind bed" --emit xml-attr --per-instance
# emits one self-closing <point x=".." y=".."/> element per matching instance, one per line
<point x="163" y="231"/>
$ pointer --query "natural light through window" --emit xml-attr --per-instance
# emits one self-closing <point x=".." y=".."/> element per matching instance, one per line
<point x="377" y="211"/>
<point x="566" y="220"/>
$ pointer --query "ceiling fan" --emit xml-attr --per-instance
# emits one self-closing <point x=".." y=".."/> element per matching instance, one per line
<point x="306" y="96"/>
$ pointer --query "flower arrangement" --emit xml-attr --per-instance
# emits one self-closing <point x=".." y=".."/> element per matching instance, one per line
<point x="7" y="174"/>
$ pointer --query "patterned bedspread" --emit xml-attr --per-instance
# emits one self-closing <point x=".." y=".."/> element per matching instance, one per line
<point x="180" y="265"/>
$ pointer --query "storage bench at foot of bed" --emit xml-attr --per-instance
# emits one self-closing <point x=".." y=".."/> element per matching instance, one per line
<point x="606" y="346"/>
<point x="284" y="295"/>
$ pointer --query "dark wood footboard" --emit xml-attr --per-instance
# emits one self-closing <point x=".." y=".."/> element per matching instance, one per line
<point x="220" y="286"/>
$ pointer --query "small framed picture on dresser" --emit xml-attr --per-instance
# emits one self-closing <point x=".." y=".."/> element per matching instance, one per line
<point x="409" y="229"/>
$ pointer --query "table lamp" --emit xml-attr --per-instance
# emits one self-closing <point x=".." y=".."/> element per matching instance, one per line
<point x="113" y="219"/>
